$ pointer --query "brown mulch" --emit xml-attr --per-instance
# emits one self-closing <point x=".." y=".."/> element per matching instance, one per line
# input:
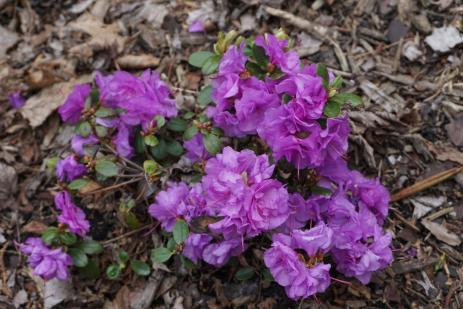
<point x="409" y="129"/>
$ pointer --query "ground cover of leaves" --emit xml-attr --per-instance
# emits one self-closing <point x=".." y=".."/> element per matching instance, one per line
<point x="403" y="56"/>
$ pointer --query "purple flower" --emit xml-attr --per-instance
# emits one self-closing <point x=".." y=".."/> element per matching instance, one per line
<point x="69" y="169"/>
<point x="300" y="140"/>
<point x="16" y="100"/>
<point x="194" y="246"/>
<point x="218" y="254"/>
<point x="170" y="205"/>
<point x="45" y="262"/>
<point x="78" y="142"/>
<point x="233" y="60"/>
<point x="288" y="62"/>
<point x="289" y="270"/>
<point x="71" y="215"/>
<point x="122" y="140"/>
<point x="196" y="26"/>
<point x="195" y="150"/>
<point x="142" y="97"/>
<point x="315" y="240"/>
<point x="265" y="206"/>
<point x="300" y="212"/>
<point x="72" y="108"/>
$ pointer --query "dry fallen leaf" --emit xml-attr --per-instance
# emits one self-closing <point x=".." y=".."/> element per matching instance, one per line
<point x="40" y="106"/>
<point x="455" y="130"/>
<point x="137" y="62"/>
<point x="442" y="233"/>
<point x="7" y="39"/>
<point x="8" y="184"/>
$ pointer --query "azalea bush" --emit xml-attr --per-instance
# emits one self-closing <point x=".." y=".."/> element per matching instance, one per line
<point x="258" y="164"/>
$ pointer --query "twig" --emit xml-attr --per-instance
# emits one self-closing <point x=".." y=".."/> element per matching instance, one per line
<point x="114" y="186"/>
<point x="125" y="160"/>
<point x="425" y="184"/>
<point x="401" y="218"/>
<point x="105" y="243"/>
<point x="440" y="213"/>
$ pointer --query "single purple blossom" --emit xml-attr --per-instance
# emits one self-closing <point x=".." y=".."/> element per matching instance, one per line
<point x="69" y="169"/>
<point x="194" y="246"/>
<point x="16" y="100"/>
<point x="46" y="262"/>
<point x="71" y="215"/>
<point x="218" y="254"/>
<point x="170" y="205"/>
<point x="195" y="150"/>
<point x="196" y="26"/>
<point x="314" y="240"/>
<point x="123" y="139"/>
<point x="72" y="108"/>
<point x="287" y="61"/>
<point x="233" y="60"/>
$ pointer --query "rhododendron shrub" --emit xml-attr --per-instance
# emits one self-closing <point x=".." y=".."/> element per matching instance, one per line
<point x="279" y="184"/>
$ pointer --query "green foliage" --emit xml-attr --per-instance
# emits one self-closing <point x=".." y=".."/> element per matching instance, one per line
<point x="205" y="96"/>
<point x="106" y="168"/>
<point x="180" y="231"/>
<point x="79" y="258"/>
<point x="140" y="268"/>
<point x="198" y="59"/>
<point x="161" y="255"/>
<point x="78" y="184"/>
<point x="212" y="143"/>
<point x="245" y="273"/>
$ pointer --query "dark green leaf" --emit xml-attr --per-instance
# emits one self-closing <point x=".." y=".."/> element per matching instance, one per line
<point x="177" y="124"/>
<point x="160" y="255"/>
<point x="79" y="257"/>
<point x="68" y="238"/>
<point x="332" y="109"/>
<point x="353" y="99"/>
<point x="255" y="70"/>
<point x="323" y="73"/>
<point x="84" y="128"/>
<point x="212" y="143"/>
<point x="139" y="143"/>
<point x="113" y="271"/>
<point x="260" y="56"/>
<point x="171" y="245"/>
<point x="174" y="148"/>
<point x="106" y="168"/>
<point x="160" y="121"/>
<point x="267" y="275"/>
<point x="159" y="151"/>
<point x="188" y="115"/>
<point x="186" y="262"/>
<point x="211" y="65"/>
<point x="78" y="184"/>
<point x="337" y="82"/>
<point x="198" y="59"/>
<point x="180" y="231"/>
<point x="151" y="140"/>
<point x="90" y="246"/>
<point x="101" y="131"/>
<point x="50" y="235"/>
<point x="140" y="268"/>
<point x="245" y="273"/>
<point x="320" y="190"/>
<point x="123" y="256"/>
<point x="95" y="95"/>
<point x="205" y="96"/>
<point x="91" y="270"/>
<point x="104" y="112"/>
<point x="190" y="132"/>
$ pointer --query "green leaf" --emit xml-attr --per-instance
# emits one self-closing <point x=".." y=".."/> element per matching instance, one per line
<point x="188" y="115"/>
<point x="123" y="256"/>
<point x="332" y="109"/>
<point x="260" y="56"/>
<point x="90" y="246"/>
<point x="151" y="140"/>
<point x="205" y="96"/>
<point x="95" y="95"/>
<point x="180" y="231"/>
<point x="78" y="184"/>
<point x="132" y="221"/>
<point x="84" y="128"/>
<point x="79" y="257"/>
<point x="101" y="131"/>
<point x="337" y="82"/>
<point x="139" y="142"/>
<point x="255" y="70"/>
<point x="160" y="121"/>
<point x="106" y="168"/>
<point x="177" y="124"/>
<point x="186" y="262"/>
<point x="174" y="148"/>
<point x="104" y="112"/>
<point x="52" y="162"/>
<point x="190" y="132"/>
<point x="267" y="275"/>
<point x="140" y="267"/>
<point x="171" y="245"/>
<point x="113" y="271"/>
<point x="91" y="270"/>
<point x="50" y="235"/>
<point x="212" y="143"/>
<point x="159" y="151"/>
<point x="68" y="238"/>
<point x="245" y="273"/>
<point x="353" y="99"/>
<point x="198" y="59"/>
<point x="323" y="73"/>
<point x="211" y="65"/>
<point x="150" y="167"/>
<point x="320" y="190"/>
<point x="160" y="255"/>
